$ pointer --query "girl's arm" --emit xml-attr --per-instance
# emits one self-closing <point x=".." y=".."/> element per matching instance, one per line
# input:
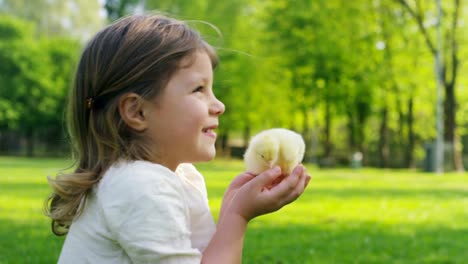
<point x="246" y="198"/>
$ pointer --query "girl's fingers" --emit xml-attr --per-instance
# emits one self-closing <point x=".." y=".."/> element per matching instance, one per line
<point x="288" y="185"/>
<point x="255" y="198"/>
<point x="308" y="177"/>
<point x="299" y="188"/>
<point x="239" y="181"/>
<point x="242" y="179"/>
<point x="267" y="177"/>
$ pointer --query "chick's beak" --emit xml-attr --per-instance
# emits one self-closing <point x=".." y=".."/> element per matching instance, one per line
<point x="271" y="163"/>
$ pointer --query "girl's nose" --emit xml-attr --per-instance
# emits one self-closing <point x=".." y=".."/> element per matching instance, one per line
<point x="217" y="108"/>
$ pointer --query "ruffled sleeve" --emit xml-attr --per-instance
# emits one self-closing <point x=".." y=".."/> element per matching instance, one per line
<point x="201" y="220"/>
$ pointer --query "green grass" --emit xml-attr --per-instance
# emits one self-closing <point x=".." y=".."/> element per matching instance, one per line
<point x="345" y="216"/>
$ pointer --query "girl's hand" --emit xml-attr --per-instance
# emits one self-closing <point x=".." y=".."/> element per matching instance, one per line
<point x="250" y="196"/>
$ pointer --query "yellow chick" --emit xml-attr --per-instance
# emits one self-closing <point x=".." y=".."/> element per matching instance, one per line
<point x="277" y="146"/>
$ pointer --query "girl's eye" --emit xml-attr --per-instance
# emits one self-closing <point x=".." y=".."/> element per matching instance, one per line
<point x="198" y="89"/>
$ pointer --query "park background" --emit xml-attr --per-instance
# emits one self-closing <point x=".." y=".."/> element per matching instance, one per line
<point x="350" y="76"/>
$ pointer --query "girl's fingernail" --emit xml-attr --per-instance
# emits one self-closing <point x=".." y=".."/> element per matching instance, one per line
<point x="277" y="169"/>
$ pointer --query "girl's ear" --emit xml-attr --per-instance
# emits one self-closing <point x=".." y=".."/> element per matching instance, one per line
<point x="131" y="111"/>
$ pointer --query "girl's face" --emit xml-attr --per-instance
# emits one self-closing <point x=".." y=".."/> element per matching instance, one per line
<point x="185" y="115"/>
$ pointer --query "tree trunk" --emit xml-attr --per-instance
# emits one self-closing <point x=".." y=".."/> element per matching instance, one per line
<point x="449" y="61"/>
<point x="30" y="142"/>
<point x="246" y="135"/>
<point x="305" y="123"/>
<point x="410" y="135"/>
<point x="360" y="132"/>
<point x="450" y="127"/>
<point x="458" y="154"/>
<point x="222" y="144"/>
<point x="351" y="132"/>
<point x="3" y="141"/>
<point x="327" y="131"/>
<point x="383" y="142"/>
<point x="305" y="128"/>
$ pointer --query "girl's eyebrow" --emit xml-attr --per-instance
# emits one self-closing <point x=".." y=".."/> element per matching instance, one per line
<point x="205" y="80"/>
<point x="199" y="78"/>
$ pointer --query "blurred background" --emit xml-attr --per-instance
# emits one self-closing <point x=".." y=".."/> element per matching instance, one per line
<point x="367" y="83"/>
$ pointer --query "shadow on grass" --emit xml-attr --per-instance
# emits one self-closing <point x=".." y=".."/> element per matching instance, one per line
<point x="357" y="242"/>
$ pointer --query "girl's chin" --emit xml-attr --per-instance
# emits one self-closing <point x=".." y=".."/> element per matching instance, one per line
<point x="203" y="157"/>
<point x="209" y="155"/>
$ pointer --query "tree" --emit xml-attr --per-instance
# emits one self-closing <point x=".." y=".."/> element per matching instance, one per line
<point x="119" y="8"/>
<point x="327" y="46"/>
<point x="77" y="18"/>
<point x="449" y="66"/>
<point x="34" y="77"/>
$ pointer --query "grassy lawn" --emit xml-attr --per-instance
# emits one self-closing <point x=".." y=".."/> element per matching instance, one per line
<point x="345" y="216"/>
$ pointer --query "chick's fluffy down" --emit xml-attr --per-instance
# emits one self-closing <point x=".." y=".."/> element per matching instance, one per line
<point x="277" y="146"/>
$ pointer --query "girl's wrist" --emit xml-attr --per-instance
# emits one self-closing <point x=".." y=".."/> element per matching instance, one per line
<point x="227" y="243"/>
<point x="232" y="218"/>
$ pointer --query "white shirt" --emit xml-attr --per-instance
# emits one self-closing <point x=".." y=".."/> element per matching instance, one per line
<point x="141" y="212"/>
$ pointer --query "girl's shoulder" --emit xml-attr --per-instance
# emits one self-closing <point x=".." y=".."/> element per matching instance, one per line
<point x="138" y="177"/>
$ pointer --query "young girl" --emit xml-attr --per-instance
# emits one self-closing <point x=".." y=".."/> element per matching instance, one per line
<point x="142" y="109"/>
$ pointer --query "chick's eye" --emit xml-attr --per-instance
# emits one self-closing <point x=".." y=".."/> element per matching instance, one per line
<point x="198" y="89"/>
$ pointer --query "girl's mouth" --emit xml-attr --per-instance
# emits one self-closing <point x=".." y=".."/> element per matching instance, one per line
<point x="209" y="131"/>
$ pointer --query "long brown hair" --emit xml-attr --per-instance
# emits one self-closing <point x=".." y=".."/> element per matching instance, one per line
<point x="137" y="54"/>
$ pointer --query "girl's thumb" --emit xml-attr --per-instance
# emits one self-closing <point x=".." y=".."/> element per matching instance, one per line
<point x="242" y="179"/>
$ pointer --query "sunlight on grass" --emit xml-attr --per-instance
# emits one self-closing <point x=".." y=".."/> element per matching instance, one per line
<point x="345" y="216"/>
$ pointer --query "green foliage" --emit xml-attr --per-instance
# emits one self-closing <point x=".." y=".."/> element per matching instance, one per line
<point x="63" y="54"/>
<point x="345" y="216"/>
<point x="119" y="8"/>
<point x="35" y="75"/>
<point x="20" y="68"/>
<point x="328" y="69"/>
<point x="78" y="18"/>
<point x="250" y="99"/>
<point x="13" y="29"/>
